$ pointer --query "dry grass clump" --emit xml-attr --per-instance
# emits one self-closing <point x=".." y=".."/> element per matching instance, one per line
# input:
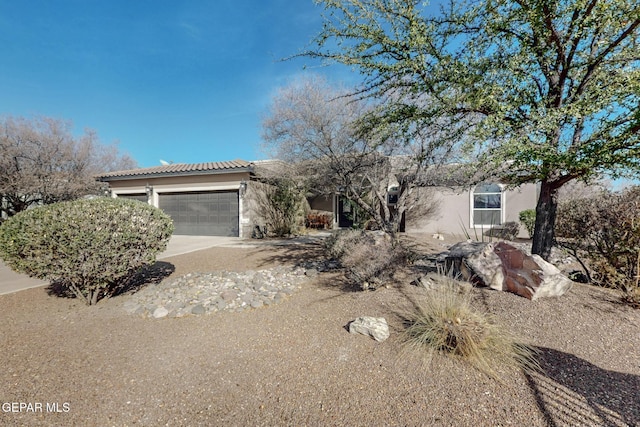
<point x="445" y="322"/>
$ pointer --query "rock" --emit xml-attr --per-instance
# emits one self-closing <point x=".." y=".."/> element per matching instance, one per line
<point x="437" y="236"/>
<point x="160" y="312"/>
<point x="200" y="293"/>
<point x="375" y="327"/>
<point x="484" y="264"/>
<point x="229" y="295"/>
<point x="425" y="282"/>
<point x="554" y="283"/>
<point x="198" y="309"/>
<point x="504" y="267"/>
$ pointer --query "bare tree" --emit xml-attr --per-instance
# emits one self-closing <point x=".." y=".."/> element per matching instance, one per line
<point x="325" y="134"/>
<point x="42" y="162"/>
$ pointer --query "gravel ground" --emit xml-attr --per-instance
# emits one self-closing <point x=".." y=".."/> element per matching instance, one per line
<point x="294" y="363"/>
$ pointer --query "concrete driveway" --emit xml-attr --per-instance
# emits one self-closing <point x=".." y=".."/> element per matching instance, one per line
<point x="13" y="282"/>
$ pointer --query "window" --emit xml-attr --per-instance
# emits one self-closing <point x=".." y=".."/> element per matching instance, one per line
<point x="487" y="205"/>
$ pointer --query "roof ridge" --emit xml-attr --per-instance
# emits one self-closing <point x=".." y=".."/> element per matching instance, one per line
<point x="177" y="168"/>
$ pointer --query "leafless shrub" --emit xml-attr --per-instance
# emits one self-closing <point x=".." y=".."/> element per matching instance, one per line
<point x="340" y="242"/>
<point x="605" y="229"/>
<point x="369" y="258"/>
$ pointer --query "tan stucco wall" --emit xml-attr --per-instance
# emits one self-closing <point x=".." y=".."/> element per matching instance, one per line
<point x="454" y="212"/>
<point x="253" y="199"/>
<point x="225" y="181"/>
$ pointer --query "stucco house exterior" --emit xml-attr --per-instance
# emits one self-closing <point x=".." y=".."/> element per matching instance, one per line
<point x="476" y="210"/>
<point x="202" y="198"/>
<point x="460" y="211"/>
<point x="213" y="199"/>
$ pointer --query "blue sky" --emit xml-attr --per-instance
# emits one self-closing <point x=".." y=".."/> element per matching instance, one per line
<point x="184" y="81"/>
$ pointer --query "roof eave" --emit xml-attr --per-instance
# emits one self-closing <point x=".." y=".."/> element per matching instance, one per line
<point x="248" y="169"/>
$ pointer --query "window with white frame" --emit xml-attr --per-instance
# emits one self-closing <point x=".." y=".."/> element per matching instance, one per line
<point x="487" y="205"/>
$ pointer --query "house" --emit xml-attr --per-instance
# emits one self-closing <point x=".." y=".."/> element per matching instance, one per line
<point x="212" y="199"/>
<point x="477" y="210"/>
<point x="202" y="198"/>
<point x="460" y="211"/>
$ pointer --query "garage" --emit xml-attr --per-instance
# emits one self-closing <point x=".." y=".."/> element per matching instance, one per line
<point x="206" y="213"/>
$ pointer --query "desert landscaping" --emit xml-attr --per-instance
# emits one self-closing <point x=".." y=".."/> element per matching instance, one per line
<point x="320" y="213"/>
<point x="293" y="362"/>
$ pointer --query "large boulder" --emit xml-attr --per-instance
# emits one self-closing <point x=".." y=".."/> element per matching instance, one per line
<point x="504" y="267"/>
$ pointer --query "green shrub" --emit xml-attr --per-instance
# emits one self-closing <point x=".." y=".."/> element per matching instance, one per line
<point x="87" y="246"/>
<point x="445" y="322"/>
<point x="528" y="219"/>
<point x="605" y="229"/>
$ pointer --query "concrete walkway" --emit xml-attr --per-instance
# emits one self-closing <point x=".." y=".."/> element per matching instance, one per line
<point x="13" y="282"/>
<point x="179" y="245"/>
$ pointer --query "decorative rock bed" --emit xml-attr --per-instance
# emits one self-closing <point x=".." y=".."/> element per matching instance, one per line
<point x="203" y="293"/>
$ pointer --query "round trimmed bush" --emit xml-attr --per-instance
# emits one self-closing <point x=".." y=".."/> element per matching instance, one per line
<point x="89" y="246"/>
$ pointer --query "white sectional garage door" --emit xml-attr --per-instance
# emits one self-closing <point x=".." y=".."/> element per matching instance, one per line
<point x="212" y="213"/>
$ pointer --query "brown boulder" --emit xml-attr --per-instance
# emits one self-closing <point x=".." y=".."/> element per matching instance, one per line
<point x="504" y="267"/>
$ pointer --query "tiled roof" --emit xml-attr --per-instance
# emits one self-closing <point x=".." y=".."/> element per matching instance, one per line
<point x="181" y="169"/>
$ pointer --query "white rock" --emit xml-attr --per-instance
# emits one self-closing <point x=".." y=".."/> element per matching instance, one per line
<point x="375" y="327"/>
<point x="554" y="283"/>
<point x="160" y="312"/>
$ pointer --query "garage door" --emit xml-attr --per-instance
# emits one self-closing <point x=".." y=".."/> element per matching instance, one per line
<point x="202" y="213"/>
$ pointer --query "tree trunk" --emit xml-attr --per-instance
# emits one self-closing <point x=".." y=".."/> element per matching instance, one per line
<point x="546" y="209"/>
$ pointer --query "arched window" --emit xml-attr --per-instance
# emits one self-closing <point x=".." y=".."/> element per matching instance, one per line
<point x="487" y="205"/>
